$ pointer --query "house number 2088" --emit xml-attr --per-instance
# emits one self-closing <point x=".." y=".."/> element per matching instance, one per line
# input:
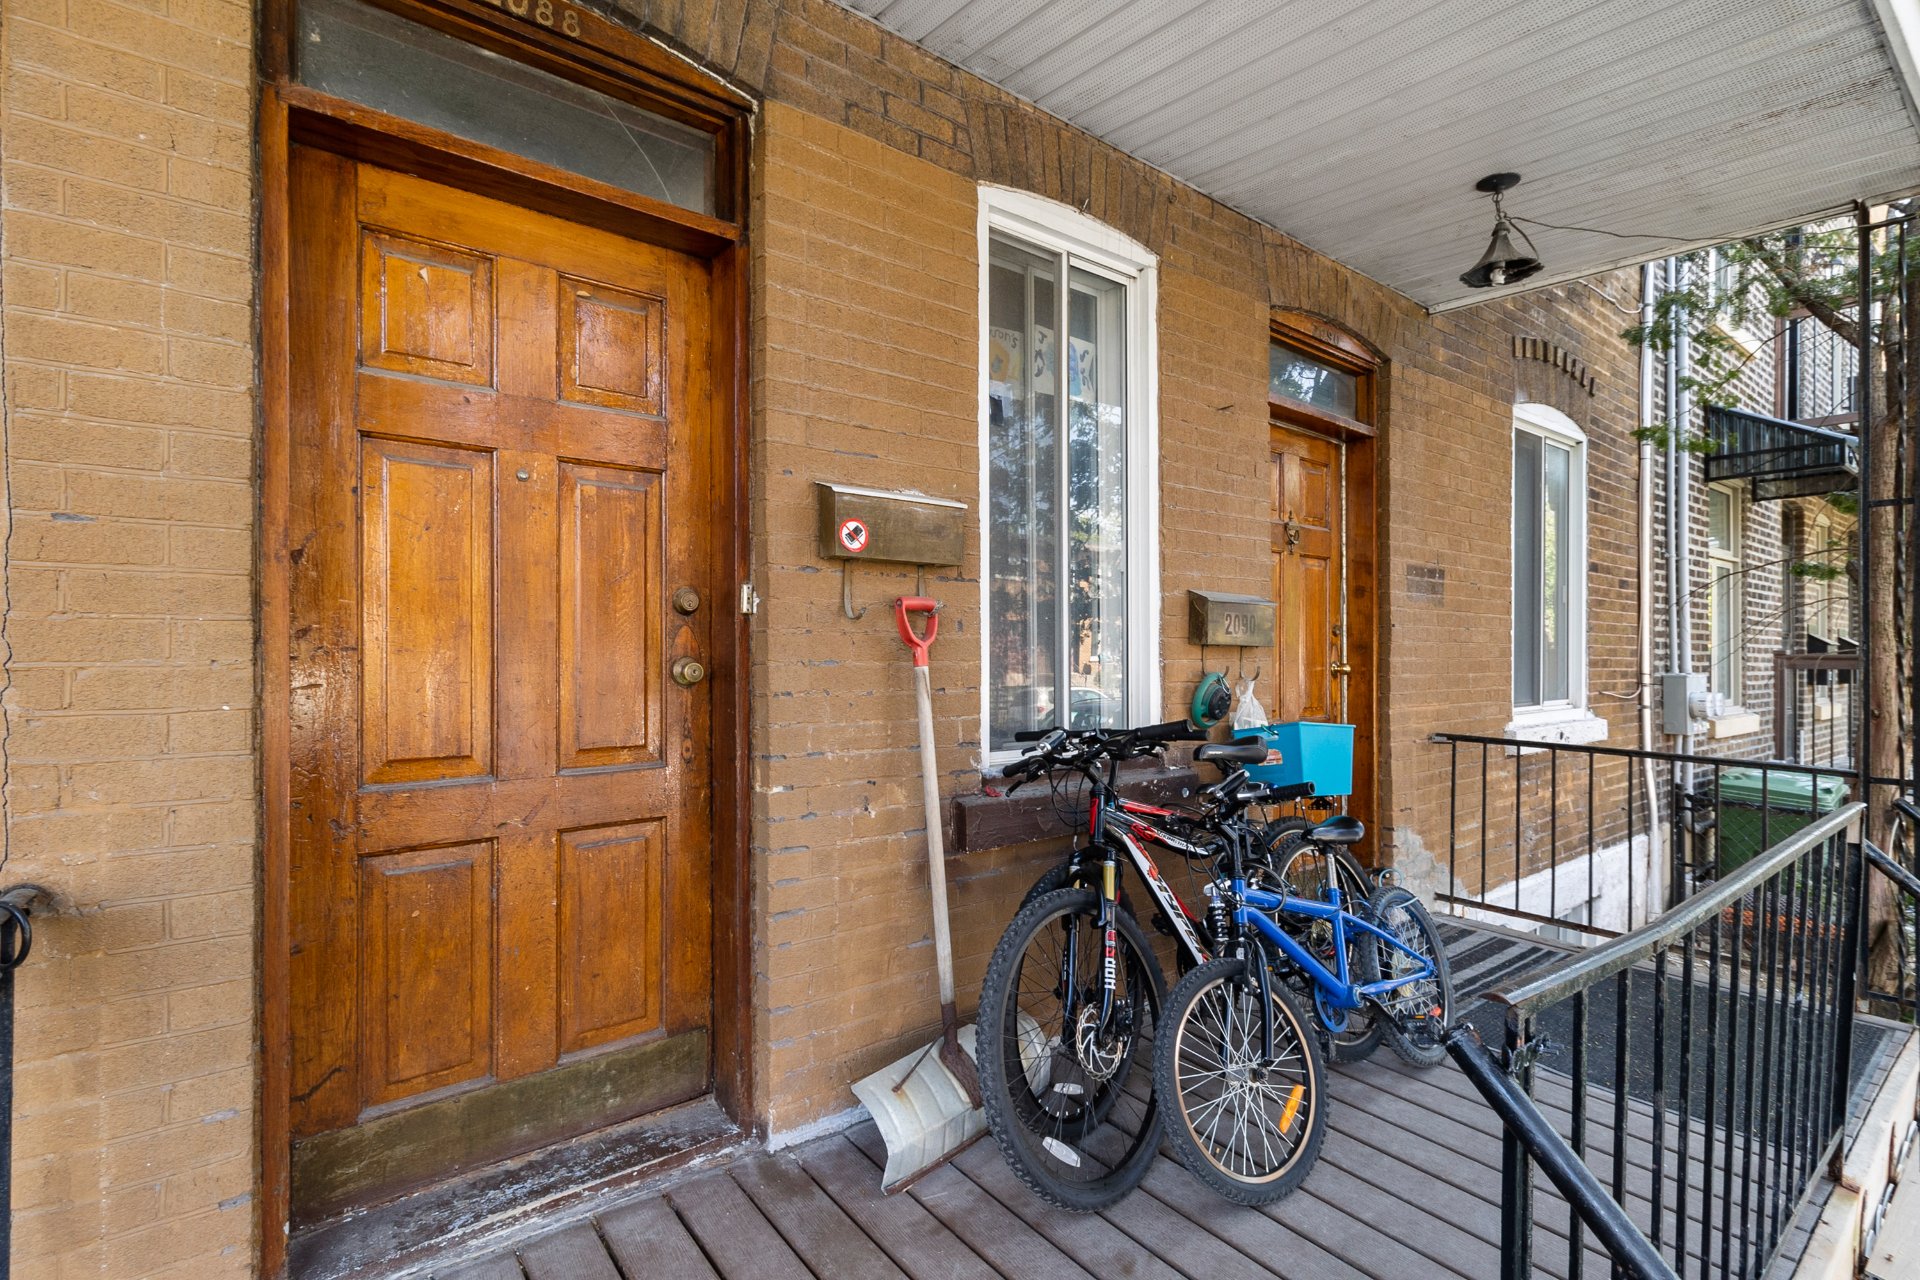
<point x="553" y="14"/>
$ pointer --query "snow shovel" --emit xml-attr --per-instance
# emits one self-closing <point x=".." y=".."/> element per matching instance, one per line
<point x="927" y="1105"/>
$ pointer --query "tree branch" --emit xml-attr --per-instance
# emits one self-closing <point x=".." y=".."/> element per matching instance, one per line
<point x="1795" y="286"/>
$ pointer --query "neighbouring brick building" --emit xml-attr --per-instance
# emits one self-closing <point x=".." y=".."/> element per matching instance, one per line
<point x="185" y="697"/>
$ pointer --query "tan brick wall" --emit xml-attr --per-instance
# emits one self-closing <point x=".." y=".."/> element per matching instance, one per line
<point x="865" y="328"/>
<point x="127" y="336"/>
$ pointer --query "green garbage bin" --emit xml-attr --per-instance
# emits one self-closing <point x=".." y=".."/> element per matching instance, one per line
<point x="1760" y="809"/>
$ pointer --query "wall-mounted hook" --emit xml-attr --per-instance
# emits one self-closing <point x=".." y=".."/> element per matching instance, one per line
<point x="846" y="593"/>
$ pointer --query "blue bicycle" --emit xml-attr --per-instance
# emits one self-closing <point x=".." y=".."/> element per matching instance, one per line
<point x="1237" y="1064"/>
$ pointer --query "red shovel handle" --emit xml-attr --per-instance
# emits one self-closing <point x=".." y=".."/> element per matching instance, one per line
<point x="907" y="605"/>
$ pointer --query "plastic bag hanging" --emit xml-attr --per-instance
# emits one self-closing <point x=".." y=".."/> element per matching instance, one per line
<point x="1247" y="711"/>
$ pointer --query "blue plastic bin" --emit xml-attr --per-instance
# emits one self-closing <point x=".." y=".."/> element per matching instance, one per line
<point x="1309" y="752"/>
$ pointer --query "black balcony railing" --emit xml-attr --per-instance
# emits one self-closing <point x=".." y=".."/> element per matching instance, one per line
<point x="1593" y="841"/>
<point x="1684" y="1086"/>
<point x="1783" y="459"/>
<point x="1814" y="696"/>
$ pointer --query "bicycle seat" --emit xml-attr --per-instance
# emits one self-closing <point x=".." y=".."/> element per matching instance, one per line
<point x="1339" y="829"/>
<point x="1245" y="751"/>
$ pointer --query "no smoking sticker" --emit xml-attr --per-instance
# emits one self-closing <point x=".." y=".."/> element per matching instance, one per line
<point x="853" y="535"/>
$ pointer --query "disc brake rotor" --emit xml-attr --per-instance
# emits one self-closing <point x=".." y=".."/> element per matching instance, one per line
<point x="1099" y="1055"/>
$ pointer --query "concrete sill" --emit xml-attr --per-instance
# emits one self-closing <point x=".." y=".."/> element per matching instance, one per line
<point x="1733" y="724"/>
<point x="1574" y="726"/>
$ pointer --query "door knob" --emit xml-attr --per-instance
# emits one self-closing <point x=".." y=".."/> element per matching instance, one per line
<point x="1342" y="669"/>
<point x="688" y="672"/>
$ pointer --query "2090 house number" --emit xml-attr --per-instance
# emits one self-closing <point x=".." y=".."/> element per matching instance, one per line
<point x="555" y="15"/>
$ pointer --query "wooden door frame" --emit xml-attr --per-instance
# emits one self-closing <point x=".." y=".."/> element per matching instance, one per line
<point x="1323" y="340"/>
<point x="614" y="60"/>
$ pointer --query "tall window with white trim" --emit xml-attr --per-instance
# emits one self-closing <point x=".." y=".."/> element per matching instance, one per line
<point x="1726" y="612"/>
<point x="1067" y="466"/>
<point x="1549" y="558"/>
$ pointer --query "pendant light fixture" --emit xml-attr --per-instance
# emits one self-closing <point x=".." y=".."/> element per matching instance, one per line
<point x="1502" y="263"/>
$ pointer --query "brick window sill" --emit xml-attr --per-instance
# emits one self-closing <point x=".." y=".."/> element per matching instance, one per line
<point x="980" y="822"/>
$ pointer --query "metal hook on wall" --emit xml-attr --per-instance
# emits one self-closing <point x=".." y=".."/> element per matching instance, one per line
<point x="846" y="593"/>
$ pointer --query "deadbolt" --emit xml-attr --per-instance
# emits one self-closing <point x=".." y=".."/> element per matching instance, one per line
<point x="686" y="600"/>
<point x="688" y="672"/>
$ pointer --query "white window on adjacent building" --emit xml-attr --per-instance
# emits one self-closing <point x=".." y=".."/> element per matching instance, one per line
<point x="1068" y="471"/>
<point x="1549" y="577"/>
<point x="1726" y="596"/>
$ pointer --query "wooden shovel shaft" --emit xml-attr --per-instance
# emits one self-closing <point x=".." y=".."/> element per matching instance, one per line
<point x="936" y="839"/>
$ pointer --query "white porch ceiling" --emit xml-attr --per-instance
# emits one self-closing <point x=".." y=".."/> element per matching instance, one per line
<point x="1360" y="126"/>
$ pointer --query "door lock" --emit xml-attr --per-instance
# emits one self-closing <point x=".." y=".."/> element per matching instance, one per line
<point x="1342" y="668"/>
<point x="688" y="672"/>
<point x="686" y="600"/>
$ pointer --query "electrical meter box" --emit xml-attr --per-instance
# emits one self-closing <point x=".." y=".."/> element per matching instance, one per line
<point x="1214" y="617"/>
<point x="1683" y="703"/>
<point x="879" y="524"/>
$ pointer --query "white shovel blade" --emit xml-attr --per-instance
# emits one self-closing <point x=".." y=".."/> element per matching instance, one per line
<point x="924" y="1121"/>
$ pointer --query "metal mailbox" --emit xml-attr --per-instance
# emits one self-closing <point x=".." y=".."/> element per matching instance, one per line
<point x="1214" y="617"/>
<point x="878" y="524"/>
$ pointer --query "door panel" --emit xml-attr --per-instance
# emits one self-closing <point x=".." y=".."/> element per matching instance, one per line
<point x="610" y="974"/>
<point x="610" y="347"/>
<point x="428" y="986"/>
<point x="501" y="474"/>
<point x="609" y="629"/>
<point x="426" y="309"/>
<point x="426" y="559"/>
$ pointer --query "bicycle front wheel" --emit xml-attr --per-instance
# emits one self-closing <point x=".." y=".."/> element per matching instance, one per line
<point x="1066" y="1077"/>
<point x="1247" y="1125"/>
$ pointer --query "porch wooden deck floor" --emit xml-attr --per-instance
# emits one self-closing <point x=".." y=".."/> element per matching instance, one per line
<point x="1408" y="1185"/>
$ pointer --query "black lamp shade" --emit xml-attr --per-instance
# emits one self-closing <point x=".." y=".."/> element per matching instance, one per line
<point x="1501" y="263"/>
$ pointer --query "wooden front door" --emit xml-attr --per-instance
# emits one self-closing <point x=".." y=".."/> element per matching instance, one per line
<point x="502" y="484"/>
<point x="1314" y="584"/>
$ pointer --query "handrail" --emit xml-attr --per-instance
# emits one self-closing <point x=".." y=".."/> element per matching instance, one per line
<point x="1633" y="1254"/>
<point x="1639" y="753"/>
<point x="1901" y="877"/>
<point x="1601" y="962"/>
<point x="16" y="940"/>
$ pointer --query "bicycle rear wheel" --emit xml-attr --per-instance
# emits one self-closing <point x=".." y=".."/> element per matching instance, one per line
<point x="1305" y="870"/>
<point x="1422" y="1008"/>
<point x="1069" y="1094"/>
<point x="1247" y="1126"/>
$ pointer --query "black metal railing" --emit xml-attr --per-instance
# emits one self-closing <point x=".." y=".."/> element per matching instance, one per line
<point x="16" y="941"/>
<point x="1684" y="1087"/>
<point x="1782" y="459"/>
<point x="1822" y="372"/>
<point x="1899" y="864"/>
<point x="1813" y="706"/>
<point x="1593" y="841"/>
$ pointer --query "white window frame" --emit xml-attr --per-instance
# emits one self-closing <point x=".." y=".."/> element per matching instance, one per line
<point x="1731" y="560"/>
<point x="1569" y="719"/>
<point x="1051" y="225"/>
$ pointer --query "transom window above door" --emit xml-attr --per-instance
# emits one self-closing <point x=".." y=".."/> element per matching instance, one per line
<point x="1068" y="472"/>
<point x="405" y="69"/>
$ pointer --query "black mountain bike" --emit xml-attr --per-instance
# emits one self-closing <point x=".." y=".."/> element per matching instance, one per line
<point x="1072" y="996"/>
